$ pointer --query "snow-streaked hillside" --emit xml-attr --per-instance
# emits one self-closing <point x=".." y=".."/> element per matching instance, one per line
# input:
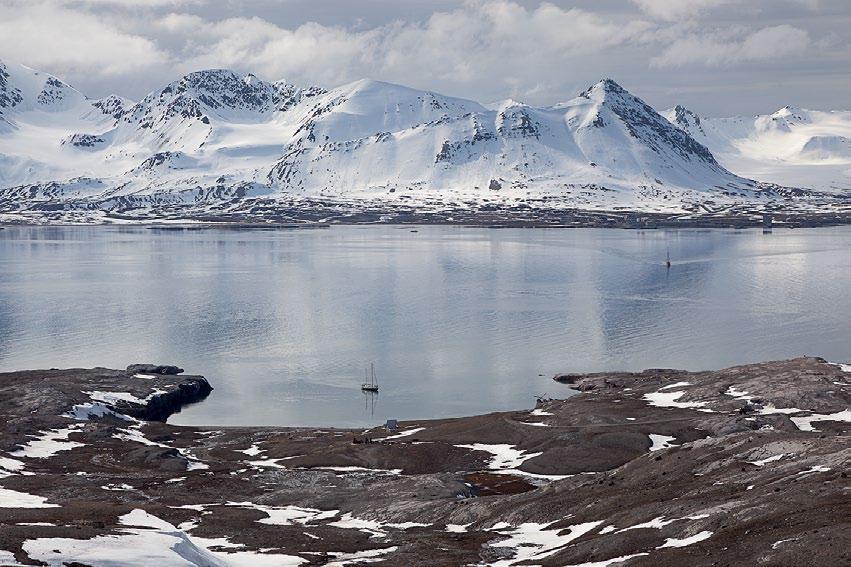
<point x="216" y="139"/>
<point x="793" y="146"/>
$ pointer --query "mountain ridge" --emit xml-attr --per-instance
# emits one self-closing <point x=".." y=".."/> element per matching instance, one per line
<point x="216" y="138"/>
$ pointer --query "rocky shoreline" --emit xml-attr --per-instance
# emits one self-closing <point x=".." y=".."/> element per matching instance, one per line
<point x="742" y="466"/>
<point x="542" y="212"/>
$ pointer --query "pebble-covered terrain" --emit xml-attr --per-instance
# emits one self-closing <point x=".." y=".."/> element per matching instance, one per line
<point x="742" y="466"/>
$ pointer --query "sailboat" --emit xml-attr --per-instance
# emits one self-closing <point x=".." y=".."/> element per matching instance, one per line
<point x="372" y="384"/>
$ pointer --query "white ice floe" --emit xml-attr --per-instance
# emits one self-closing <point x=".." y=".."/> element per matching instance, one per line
<point x="767" y="460"/>
<point x="660" y="442"/>
<point x="675" y="385"/>
<point x="815" y="469"/>
<point x="15" y="499"/>
<point x="608" y="562"/>
<point x="806" y="423"/>
<point x="674" y="542"/>
<point x="669" y="400"/>
<point x="147" y="540"/>
<point x="531" y="541"/>
<point x="405" y="433"/>
<point x="457" y="528"/>
<point x="48" y="443"/>
<point x="342" y="559"/>
<point x="504" y="456"/>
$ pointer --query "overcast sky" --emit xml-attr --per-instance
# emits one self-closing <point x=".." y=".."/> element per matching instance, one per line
<point x="718" y="57"/>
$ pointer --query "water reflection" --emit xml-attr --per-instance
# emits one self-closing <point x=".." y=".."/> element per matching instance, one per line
<point x="459" y="320"/>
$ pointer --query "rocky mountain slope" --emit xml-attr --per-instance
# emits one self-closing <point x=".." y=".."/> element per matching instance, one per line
<point x="215" y="142"/>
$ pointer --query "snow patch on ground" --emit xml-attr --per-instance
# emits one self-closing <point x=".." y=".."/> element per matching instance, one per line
<point x="89" y="410"/>
<point x="373" y="527"/>
<point x="674" y="542"/>
<point x="767" y="460"/>
<point x="607" y="562"/>
<point x="404" y="433"/>
<point x="815" y="469"/>
<point x="737" y="394"/>
<point x="288" y="515"/>
<point x="359" y="557"/>
<point x="10" y="466"/>
<point x="15" y="499"/>
<point x="669" y="400"/>
<point x="660" y="442"/>
<point x="675" y="385"/>
<point x="504" y="456"/>
<point x="7" y="559"/>
<point x="148" y="540"/>
<point x="532" y="541"/>
<point x="655" y="523"/>
<point x="252" y="451"/>
<point x="806" y="423"/>
<point x="48" y="443"/>
<point x="539" y="412"/>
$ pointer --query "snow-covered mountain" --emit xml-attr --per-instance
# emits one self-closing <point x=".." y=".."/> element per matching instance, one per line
<point x="217" y="138"/>
<point x="792" y="146"/>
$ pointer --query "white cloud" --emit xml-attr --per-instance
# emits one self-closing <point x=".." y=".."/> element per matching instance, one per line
<point x="672" y="10"/>
<point x="497" y="45"/>
<point x="530" y="50"/>
<point x="45" y="34"/>
<point x="775" y="42"/>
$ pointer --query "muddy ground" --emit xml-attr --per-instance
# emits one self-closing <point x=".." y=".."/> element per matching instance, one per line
<point x="742" y="466"/>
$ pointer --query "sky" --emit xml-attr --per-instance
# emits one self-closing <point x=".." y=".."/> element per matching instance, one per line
<point x="717" y="57"/>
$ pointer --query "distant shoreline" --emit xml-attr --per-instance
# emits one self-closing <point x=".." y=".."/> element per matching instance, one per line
<point x="576" y="219"/>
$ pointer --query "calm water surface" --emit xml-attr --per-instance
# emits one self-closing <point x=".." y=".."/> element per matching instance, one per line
<point x="457" y="320"/>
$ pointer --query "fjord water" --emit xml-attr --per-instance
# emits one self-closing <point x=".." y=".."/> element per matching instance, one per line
<point x="457" y="320"/>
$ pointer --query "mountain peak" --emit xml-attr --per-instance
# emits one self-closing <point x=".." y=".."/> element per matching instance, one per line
<point x="604" y="88"/>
